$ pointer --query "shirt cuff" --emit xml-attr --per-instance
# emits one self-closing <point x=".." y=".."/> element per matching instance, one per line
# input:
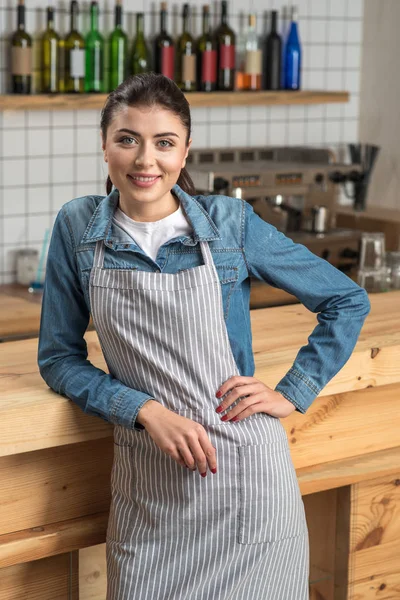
<point x="296" y="388"/>
<point x="126" y="408"/>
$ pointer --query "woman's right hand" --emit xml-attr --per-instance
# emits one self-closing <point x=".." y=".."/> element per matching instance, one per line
<point x="185" y="440"/>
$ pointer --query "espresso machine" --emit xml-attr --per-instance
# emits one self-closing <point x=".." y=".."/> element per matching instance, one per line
<point x="295" y="189"/>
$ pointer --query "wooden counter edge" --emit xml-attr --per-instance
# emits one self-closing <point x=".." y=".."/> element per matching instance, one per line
<point x="89" y="530"/>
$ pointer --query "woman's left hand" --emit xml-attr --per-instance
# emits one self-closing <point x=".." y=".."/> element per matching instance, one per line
<point x="260" y="398"/>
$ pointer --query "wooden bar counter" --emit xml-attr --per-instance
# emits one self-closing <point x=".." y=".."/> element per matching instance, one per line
<point x="55" y="466"/>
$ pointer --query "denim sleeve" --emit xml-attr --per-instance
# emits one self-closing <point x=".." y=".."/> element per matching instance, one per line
<point x="62" y="352"/>
<point x="341" y="304"/>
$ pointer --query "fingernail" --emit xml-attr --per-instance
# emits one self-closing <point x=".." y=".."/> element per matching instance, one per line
<point x="224" y="418"/>
<point x="218" y="394"/>
<point x="203" y="474"/>
<point x="234" y="419"/>
<point x="218" y="409"/>
<point x="213" y="470"/>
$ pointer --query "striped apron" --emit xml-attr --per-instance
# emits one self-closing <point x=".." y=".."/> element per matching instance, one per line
<point x="239" y="534"/>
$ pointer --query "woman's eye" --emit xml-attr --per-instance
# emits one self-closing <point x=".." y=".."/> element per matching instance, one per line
<point x="127" y="140"/>
<point x="165" y="143"/>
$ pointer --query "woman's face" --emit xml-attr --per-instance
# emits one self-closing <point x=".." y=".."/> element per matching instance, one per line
<point x="145" y="150"/>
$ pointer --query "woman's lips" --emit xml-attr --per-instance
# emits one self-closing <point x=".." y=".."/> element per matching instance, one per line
<point x="143" y="181"/>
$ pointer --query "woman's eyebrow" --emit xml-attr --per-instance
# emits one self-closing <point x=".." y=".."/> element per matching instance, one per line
<point x="168" y="133"/>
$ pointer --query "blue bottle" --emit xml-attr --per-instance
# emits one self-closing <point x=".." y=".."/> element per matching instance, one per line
<point x="292" y="73"/>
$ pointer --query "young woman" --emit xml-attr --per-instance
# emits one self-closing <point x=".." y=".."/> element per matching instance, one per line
<point x="165" y="275"/>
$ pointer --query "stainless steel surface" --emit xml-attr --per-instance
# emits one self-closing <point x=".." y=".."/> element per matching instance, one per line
<point x="284" y="186"/>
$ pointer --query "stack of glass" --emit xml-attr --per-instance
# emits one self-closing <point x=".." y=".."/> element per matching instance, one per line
<point x="374" y="274"/>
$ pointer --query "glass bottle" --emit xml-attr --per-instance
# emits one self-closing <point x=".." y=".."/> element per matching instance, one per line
<point x="226" y="41"/>
<point x="140" y="52"/>
<point x="253" y="58"/>
<point x="186" y="56"/>
<point x="206" y="56"/>
<point x="273" y="56"/>
<point x="50" y="56"/>
<point x="74" y="48"/>
<point x="21" y="55"/>
<point x="118" y="49"/>
<point x="94" y="52"/>
<point x="293" y="55"/>
<point x="164" y="49"/>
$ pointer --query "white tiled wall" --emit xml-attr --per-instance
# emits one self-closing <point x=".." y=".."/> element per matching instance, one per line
<point x="47" y="158"/>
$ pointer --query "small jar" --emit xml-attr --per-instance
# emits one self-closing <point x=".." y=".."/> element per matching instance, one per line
<point x="27" y="264"/>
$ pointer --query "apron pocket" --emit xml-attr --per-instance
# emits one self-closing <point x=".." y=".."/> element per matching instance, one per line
<point x="270" y="506"/>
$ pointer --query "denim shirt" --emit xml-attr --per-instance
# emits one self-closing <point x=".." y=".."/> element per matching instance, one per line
<point x="242" y="245"/>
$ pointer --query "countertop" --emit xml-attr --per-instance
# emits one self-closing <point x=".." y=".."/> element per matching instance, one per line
<point x="20" y="310"/>
<point x="32" y="416"/>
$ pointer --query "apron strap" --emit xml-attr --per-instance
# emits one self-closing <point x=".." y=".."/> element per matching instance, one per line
<point x="206" y="252"/>
<point x="99" y="255"/>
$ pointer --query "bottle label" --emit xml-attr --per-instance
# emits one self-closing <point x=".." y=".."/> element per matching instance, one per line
<point x="189" y="67"/>
<point x="77" y="63"/>
<point x="227" y="56"/>
<point x="209" y="66"/>
<point x="253" y="64"/>
<point x="21" y="61"/>
<point x="167" y="61"/>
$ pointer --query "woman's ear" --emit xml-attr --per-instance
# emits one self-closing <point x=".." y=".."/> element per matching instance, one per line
<point x="103" y="146"/>
<point x="186" y="153"/>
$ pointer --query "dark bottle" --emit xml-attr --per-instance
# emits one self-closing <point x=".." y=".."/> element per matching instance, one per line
<point x="50" y="55"/>
<point x="273" y="56"/>
<point x="21" y="55"/>
<point x="226" y="41"/>
<point x="94" y="51"/>
<point x="118" y="51"/>
<point x="293" y="55"/>
<point x="186" y="56"/>
<point x="140" y="52"/>
<point x="74" y="48"/>
<point x="164" y="50"/>
<point x="206" y="56"/>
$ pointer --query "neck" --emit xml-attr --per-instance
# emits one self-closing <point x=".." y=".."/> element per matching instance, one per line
<point x="149" y="211"/>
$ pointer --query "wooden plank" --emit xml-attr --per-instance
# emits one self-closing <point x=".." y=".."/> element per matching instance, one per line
<point x="321" y="521"/>
<point x="343" y="525"/>
<point x="342" y="426"/>
<point x="49" y="540"/>
<point x="53" y="578"/>
<point x="338" y="473"/>
<point x="96" y="101"/>
<point x="93" y="573"/>
<point x="53" y="485"/>
<point x="376" y="516"/>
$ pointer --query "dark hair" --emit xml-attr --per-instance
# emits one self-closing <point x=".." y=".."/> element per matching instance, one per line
<point x="149" y="89"/>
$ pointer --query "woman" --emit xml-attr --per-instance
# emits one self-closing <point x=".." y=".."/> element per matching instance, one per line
<point x="165" y="276"/>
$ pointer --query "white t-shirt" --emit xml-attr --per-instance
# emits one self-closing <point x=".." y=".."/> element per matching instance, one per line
<point x="151" y="235"/>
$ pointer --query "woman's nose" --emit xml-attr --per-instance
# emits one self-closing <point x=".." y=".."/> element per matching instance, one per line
<point x="144" y="156"/>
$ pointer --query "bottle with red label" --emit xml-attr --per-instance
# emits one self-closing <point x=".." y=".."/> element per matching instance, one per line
<point x="207" y="56"/>
<point x="186" y="55"/>
<point x="164" y="49"/>
<point x="226" y="41"/>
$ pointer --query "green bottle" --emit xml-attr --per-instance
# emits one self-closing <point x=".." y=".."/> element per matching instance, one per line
<point x="94" y="51"/>
<point x="21" y="56"/>
<point x="50" y="56"/>
<point x="206" y="56"/>
<point x="118" y="49"/>
<point x="140" y="52"/>
<point x="74" y="48"/>
<point x="186" y="56"/>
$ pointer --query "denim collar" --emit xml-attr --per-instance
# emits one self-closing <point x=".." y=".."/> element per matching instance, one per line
<point x="100" y="224"/>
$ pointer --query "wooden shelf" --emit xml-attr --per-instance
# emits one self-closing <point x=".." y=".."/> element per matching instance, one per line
<point x="196" y="99"/>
